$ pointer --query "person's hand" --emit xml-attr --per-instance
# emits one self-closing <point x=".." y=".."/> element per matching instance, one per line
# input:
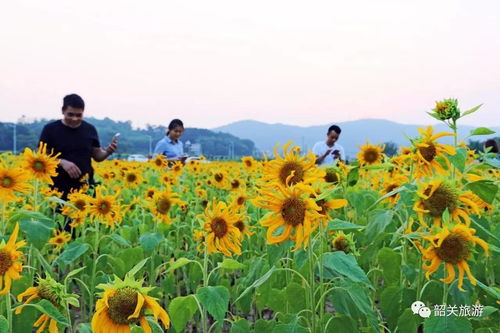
<point x="327" y="152"/>
<point x="112" y="146"/>
<point x="336" y="154"/>
<point x="71" y="168"/>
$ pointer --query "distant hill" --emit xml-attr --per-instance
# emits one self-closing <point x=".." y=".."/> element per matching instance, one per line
<point x="132" y="140"/>
<point x="354" y="133"/>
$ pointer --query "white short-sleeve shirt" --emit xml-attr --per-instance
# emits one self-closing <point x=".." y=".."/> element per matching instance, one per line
<point x="321" y="147"/>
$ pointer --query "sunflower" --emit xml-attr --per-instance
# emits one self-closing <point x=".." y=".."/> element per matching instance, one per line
<point x="328" y="205"/>
<point x="344" y="243"/>
<point x="12" y="181"/>
<point x="239" y="199"/>
<point x="370" y="154"/>
<point x="10" y="263"/>
<point x="106" y="207"/>
<point x="427" y="151"/>
<point x="237" y="184"/>
<point x="222" y="235"/>
<point x="176" y="169"/>
<point x="249" y="163"/>
<point x="132" y="177"/>
<point x="60" y="238"/>
<point x="220" y="179"/>
<point x="80" y="201"/>
<point x="41" y="165"/>
<point x="159" y="162"/>
<point x="454" y="249"/>
<point x="436" y="197"/>
<point x="392" y="181"/>
<point x="52" y="291"/>
<point x="242" y="225"/>
<point x="162" y="203"/>
<point x="303" y="169"/>
<point x="126" y="303"/>
<point x="294" y="213"/>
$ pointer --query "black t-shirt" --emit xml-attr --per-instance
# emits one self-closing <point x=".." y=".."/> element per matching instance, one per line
<point x="75" y="145"/>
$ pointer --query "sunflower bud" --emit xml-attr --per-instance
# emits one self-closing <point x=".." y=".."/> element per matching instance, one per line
<point x="446" y="109"/>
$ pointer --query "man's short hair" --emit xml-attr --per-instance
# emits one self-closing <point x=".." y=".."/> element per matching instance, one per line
<point x="334" y="128"/>
<point x="73" y="101"/>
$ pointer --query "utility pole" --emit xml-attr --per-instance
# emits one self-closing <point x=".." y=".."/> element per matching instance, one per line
<point x="14" y="140"/>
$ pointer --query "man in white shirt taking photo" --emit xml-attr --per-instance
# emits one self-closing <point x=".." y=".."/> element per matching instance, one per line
<point x="329" y="152"/>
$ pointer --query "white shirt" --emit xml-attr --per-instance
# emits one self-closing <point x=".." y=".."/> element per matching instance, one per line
<point x="321" y="147"/>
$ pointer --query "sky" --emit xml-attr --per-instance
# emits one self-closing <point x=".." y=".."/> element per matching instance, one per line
<point x="210" y="63"/>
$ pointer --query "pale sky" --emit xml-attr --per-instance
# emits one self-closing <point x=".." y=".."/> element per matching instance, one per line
<point x="214" y="62"/>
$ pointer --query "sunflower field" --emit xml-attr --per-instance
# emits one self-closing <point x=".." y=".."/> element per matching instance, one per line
<point x="402" y="244"/>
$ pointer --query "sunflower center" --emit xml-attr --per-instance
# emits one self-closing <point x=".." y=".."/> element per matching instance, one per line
<point x="39" y="166"/>
<point x="177" y="168"/>
<point x="218" y="177"/>
<point x="454" y="249"/>
<point x="150" y="193"/>
<point x="163" y="206"/>
<point x="341" y="244"/>
<point x="158" y="162"/>
<point x="321" y="203"/>
<point x="104" y="207"/>
<point x="241" y="200"/>
<point x="240" y="225"/>
<point x="7" y="182"/>
<point x="248" y="163"/>
<point x="370" y="155"/>
<point x="286" y="170"/>
<point x="444" y="197"/>
<point x="235" y="184"/>
<point x="131" y="177"/>
<point x="122" y="304"/>
<point x="5" y="261"/>
<point x="293" y="211"/>
<point x="391" y="188"/>
<point x="80" y="204"/>
<point x="219" y="227"/>
<point x="428" y="153"/>
<point x="331" y="177"/>
<point x="45" y="291"/>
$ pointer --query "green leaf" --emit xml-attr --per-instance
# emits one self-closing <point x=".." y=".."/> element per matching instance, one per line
<point x="264" y="326"/>
<point x="257" y="282"/>
<point x="215" y="300"/>
<point x="291" y="326"/>
<point x="390" y="261"/>
<point x="337" y="224"/>
<point x="84" y="328"/>
<point x="481" y="131"/>
<point x="408" y="322"/>
<point x="155" y="327"/>
<point x="453" y="324"/>
<point x="390" y="303"/>
<point x="120" y="240"/>
<point x="37" y="231"/>
<point x="353" y="176"/>
<point x="240" y="326"/>
<point x="149" y="241"/>
<point x="485" y="189"/>
<point x="48" y="308"/>
<point x="73" y="273"/>
<point x="181" y="310"/>
<point x="474" y="109"/>
<point x="277" y="251"/>
<point x="179" y="263"/>
<point x="4" y="325"/>
<point x="295" y="295"/>
<point x="70" y="254"/>
<point x="459" y="158"/>
<point x="341" y="323"/>
<point x="378" y="221"/>
<point x="344" y="264"/>
<point x="230" y="264"/>
<point x="137" y="267"/>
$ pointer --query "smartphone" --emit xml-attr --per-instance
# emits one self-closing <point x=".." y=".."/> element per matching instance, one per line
<point x="116" y="136"/>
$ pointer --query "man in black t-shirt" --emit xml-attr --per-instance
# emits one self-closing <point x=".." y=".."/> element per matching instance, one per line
<point x="78" y="143"/>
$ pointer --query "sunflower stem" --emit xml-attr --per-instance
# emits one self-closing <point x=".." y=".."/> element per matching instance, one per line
<point x="8" y="310"/>
<point x="311" y="286"/>
<point x="204" y="318"/>
<point x="94" y="267"/>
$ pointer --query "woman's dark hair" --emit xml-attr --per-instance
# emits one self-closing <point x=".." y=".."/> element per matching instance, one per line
<point x="173" y="124"/>
<point x="73" y="101"/>
<point x="334" y="128"/>
<point x="493" y="144"/>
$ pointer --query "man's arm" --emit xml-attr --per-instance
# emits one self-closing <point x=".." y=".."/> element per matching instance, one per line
<point x="99" y="154"/>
